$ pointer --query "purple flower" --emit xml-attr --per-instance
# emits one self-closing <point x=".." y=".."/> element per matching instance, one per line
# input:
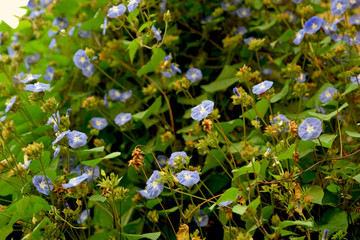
<point x="241" y="31"/>
<point x="104" y="26"/>
<point x="115" y="95"/>
<point x="267" y="71"/>
<point x="88" y="70"/>
<point x="355" y="19"/>
<point x="41" y="184"/>
<point x="116" y="11"/>
<point x="262" y="87"/>
<point x="10" y="104"/>
<point x="125" y="96"/>
<point x="132" y="5"/>
<point x="61" y="22"/>
<point x="243" y="12"/>
<point x="49" y="75"/>
<point x="325" y="234"/>
<point x="236" y="92"/>
<point x="281" y="122"/>
<point x="336" y="37"/>
<point x="84" y="34"/>
<point x="338" y="7"/>
<point x="310" y="129"/>
<point x="333" y="26"/>
<point x="54" y="119"/>
<point x="76" y="139"/>
<point x="122" y="118"/>
<point x="60" y="136"/>
<point x="327" y="95"/>
<point x="92" y="172"/>
<point x="80" y="59"/>
<point x="153" y="186"/>
<point x="193" y="75"/>
<point x="56" y="153"/>
<point x="188" y="178"/>
<point x="83" y="216"/>
<point x="52" y="43"/>
<point x="35" y="13"/>
<point x="75" y="181"/>
<point x="99" y="123"/>
<point x="37" y="87"/>
<point x="161" y="160"/>
<point x="30" y="77"/>
<point x="202" y="219"/>
<point x="299" y="37"/>
<point x="178" y="156"/>
<point x="302" y="77"/>
<point x="297" y="1"/>
<point x="313" y="25"/>
<point x="202" y="110"/>
<point x="355" y="79"/>
<point x="156" y="33"/>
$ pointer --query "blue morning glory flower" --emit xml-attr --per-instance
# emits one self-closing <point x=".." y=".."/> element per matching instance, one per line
<point x="338" y="7"/>
<point x="41" y="184"/>
<point x="10" y="104"/>
<point x="106" y="103"/>
<point x="325" y="234"/>
<point x="99" y="123"/>
<point x="320" y="109"/>
<point x="52" y="33"/>
<point x="267" y="71"/>
<point x="153" y="186"/>
<point x="175" y="69"/>
<point x="202" y="110"/>
<point x="30" y="77"/>
<point x="144" y="193"/>
<point x="80" y="59"/>
<point x="156" y="33"/>
<point x="241" y="31"/>
<point x="31" y="60"/>
<point x="88" y="71"/>
<point x="45" y="3"/>
<point x="37" y="87"/>
<point x="202" y="219"/>
<point x="76" y="139"/>
<point x="125" y="96"/>
<point x="17" y="78"/>
<point x="92" y="172"/>
<point x="297" y="1"/>
<point x="162" y="6"/>
<point x="115" y="95"/>
<point x="177" y="155"/>
<point x="243" y="12"/>
<point x="355" y="19"/>
<point x="35" y="13"/>
<point x="167" y="74"/>
<point x="122" y="118"/>
<point x="310" y="129"/>
<point x="354" y="3"/>
<point x="327" y="95"/>
<point x="236" y="91"/>
<point x="75" y="181"/>
<point x="188" y="178"/>
<point x="282" y="122"/>
<point x="291" y="16"/>
<point x="355" y="79"/>
<point x="50" y="72"/>
<point x="336" y="37"/>
<point x="116" y="11"/>
<point x="302" y="77"/>
<point x="71" y="31"/>
<point x="83" y="216"/>
<point x="132" y="5"/>
<point x="52" y="43"/>
<point x="2" y="119"/>
<point x="262" y="87"/>
<point x="105" y="26"/>
<point x="326" y="27"/>
<point x="60" y="136"/>
<point x="162" y="160"/>
<point x="333" y="26"/>
<point x="313" y="25"/>
<point x="193" y="75"/>
<point x="26" y="164"/>
<point x="54" y="119"/>
<point x="61" y="22"/>
<point x="56" y="153"/>
<point x="84" y="34"/>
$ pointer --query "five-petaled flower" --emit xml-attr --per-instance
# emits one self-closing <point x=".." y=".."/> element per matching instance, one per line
<point x="116" y="11"/>
<point x="313" y="25"/>
<point x="76" y="139"/>
<point x="188" y="178"/>
<point x="30" y="77"/>
<point x="122" y="118"/>
<point x="193" y="75"/>
<point x="262" y="87"/>
<point x="327" y="95"/>
<point x="202" y="219"/>
<point x="202" y="110"/>
<point x="310" y="129"/>
<point x="41" y="184"/>
<point x="99" y="123"/>
<point x="281" y="123"/>
<point x="338" y="7"/>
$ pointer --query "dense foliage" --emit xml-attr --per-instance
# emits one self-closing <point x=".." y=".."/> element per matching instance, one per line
<point x="148" y="119"/>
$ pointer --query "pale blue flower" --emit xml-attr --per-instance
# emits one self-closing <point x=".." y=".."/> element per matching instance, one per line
<point x="60" y="136"/>
<point x="241" y="31"/>
<point x="325" y="234"/>
<point x="88" y="70"/>
<point x="355" y="19"/>
<point x="30" y="77"/>
<point x="310" y="129"/>
<point x="202" y="219"/>
<point x="299" y="37"/>
<point x="52" y="43"/>
<point x="156" y="33"/>
<point x="76" y="139"/>
<point x="105" y="26"/>
<point x="153" y="186"/>
<point x="98" y="123"/>
<point x="202" y="110"/>
<point x="83" y="216"/>
<point x="41" y="184"/>
<point x="281" y="122"/>
<point x="122" y="118"/>
<point x="313" y="25"/>
<point x="115" y="95"/>
<point x="10" y="104"/>
<point x="355" y="79"/>
<point x="75" y="181"/>
<point x="37" y="87"/>
<point x="54" y="119"/>
<point x="243" y="12"/>
<point x="56" y="153"/>
<point x="302" y="77"/>
<point x="116" y="11"/>
<point x="61" y="22"/>
<point x="132" y="5"/>
<point x="50" y="73"/>
<point x="188" y="178"/>
<point x="338" y="7"/>
<point x="84" y="34"/>
<point x="327" y="95"/>
<point x="178" y="156"/>
<point x="193" y="75"/>
<point x="80" y="59"/>
<point x="262" y="87"/>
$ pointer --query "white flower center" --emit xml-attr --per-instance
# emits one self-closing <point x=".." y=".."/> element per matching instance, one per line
<point x="98" y="122"/>
<point x="328" y="94"/>
<point x="117" y="94"/>
<point x="262" y="85"/>
<point x="37" y="85"/>
<point x="187" y="176"/>
<point x="42" y="184"/>
<point x="82" y="59"/>
<point x="338" y="6"/>
<point x="123" y="118"/>
<point x="76" y="138"/>
<point x="244" y="12"/>
<point x="193" y="75"/>
<point x="202" y="110"/>
<point x="89" y="172"/>
<point x="309" y="129"/>
<point x="154" y="184"/>
<point x="314" y="26"/>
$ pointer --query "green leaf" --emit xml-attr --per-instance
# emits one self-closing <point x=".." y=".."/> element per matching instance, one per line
<point x="247" y="169"/>
<point x="145" y="25"/>
<point x="211" y="162"/>
<point x="326" y="140"/>
<point x="66" y="7"/>
<point x="239" y="209"/>
<point x="94" y="162"/>
<point x="284" y="37"/>
<point x="223" y="81"/>
<point x="281" y="94"/>
<point x="350" y="87"/>
<point x="307" y="223"/>
<point x="316" y="193"/>
<point x="254" y="204"/>
<point x="5" y="231"/>
<point x="261" y="106"/>
<point x="97" y="198"/>
<point x="133" y="47"/>
<point x="93" y="23"/>
<point x="264" y="26"/>
<point x="334" y="220"/>
<point x="327" y="117"/>
<point x="152" y="236"/>
<point x="229" y="195"/>
<point x="231" y="125"/>
<point x="133" y="15"/>
<point x="154" y="63"/>
<point x="357" y="178"/>
<point x="154" y="108"/>
<point x="352" y="134"/>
